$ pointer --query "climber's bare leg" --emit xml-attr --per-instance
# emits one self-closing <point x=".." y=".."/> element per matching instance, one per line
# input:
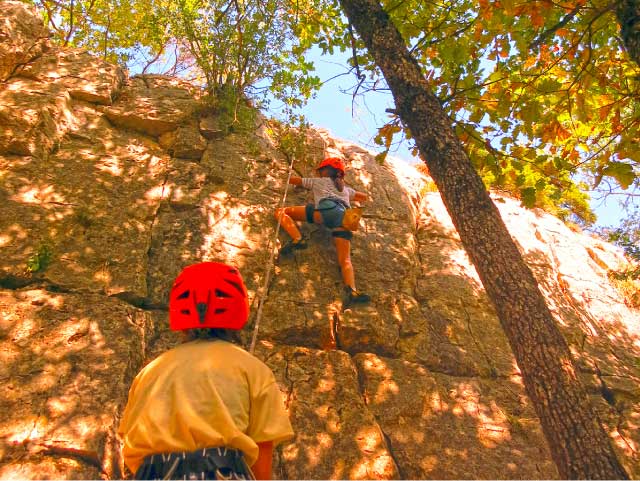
<point x="343" y="248"/>
<point x="287" y="217"/>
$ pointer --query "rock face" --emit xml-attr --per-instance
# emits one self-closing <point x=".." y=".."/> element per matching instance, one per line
<point x="442" y="427"/>
<point x="84" y="76"/>
<point x="23" y="37"/>
<point x="109" y="186"/>
<point x="67" y="360"/>
<point x="153" y="105"/>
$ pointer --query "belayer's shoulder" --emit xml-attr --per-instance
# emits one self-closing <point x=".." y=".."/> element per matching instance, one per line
<point x="241" y="352"/>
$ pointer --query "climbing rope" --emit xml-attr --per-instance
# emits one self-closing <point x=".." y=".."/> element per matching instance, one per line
<point x="267" y="277"/>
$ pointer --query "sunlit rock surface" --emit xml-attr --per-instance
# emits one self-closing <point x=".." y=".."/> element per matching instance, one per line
<point x="34" y="117"/>
<point x="153" y="105"/>
<point x="324" y="401"/>
<point x="67" y="360"/>
<point x="92" y="204"/>
<point x="83" y="75"/>
<point x="443" y="427"/>
<point x="23" y="37"/>
<point x="110" y="186"/>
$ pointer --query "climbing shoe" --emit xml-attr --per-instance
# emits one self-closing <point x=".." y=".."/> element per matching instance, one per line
<point x="354" y="297"/>
<point x="290" y="246"/>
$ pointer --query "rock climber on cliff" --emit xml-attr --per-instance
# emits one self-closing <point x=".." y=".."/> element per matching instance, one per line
<point x="331" y="199"/>
<point x="206" y="409"/>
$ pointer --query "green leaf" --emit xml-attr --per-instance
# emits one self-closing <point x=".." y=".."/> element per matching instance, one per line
<point x="528" y="197"/>
<point x="541" y="184"/>
<point x="622" y="172"/>
<point x="495" y="76"/>
<point x="41" y="259"/>
<point x="380" y="158"/>
<point x="530" y="112"/>
<point x="476" y="116"/>
<point x="549" y="85"/>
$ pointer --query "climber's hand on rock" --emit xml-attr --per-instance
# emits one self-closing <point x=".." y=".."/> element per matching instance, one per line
<point x="360" y="197"/>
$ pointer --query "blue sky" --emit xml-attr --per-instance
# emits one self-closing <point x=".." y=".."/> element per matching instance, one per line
<point x="358" y="121"/>
<point x="335" y="110"/>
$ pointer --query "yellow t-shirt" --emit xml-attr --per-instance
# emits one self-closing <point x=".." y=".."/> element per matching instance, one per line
<point x="202" y="394"/>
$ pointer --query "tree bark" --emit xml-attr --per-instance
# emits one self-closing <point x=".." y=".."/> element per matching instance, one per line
<point x="579" y="445"/>
<point x="628" y="13"/>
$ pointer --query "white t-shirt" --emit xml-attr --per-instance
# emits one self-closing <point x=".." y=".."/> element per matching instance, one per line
<point x="324" y="188"/>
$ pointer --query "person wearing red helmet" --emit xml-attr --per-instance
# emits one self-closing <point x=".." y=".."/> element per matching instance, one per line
<point x="331" y="197"/>
<point x="206" y="409"/>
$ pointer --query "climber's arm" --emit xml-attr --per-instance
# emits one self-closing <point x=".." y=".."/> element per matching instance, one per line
<point x="262" y="467"/>
<point x="360" y="197"/>
<point x="295" y="180"/>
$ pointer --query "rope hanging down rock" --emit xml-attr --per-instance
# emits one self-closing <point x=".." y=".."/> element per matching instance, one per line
<point x="267" y="277"/>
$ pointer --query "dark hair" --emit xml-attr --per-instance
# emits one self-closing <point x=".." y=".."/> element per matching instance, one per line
<point x="336" y="175"/>
<point x="229" y="335"/>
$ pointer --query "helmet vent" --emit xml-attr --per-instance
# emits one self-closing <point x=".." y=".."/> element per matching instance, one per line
<point x="219" y="311"/>
<point x="202" y="311"/>
<point x="221" y="293"/>
<point x="184" y="295"/>
<point x="234" y="272"/>
<point x="236" y="285"/>
<point x="186" y="312"/>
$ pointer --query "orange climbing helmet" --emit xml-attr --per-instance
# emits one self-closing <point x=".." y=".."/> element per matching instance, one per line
<point x="208" y="295"/>
<point x="334" y="162"/>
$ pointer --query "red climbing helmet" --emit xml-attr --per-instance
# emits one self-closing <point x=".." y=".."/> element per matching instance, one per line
<point x="209" y="294"/>
<point x="334" y="162"/>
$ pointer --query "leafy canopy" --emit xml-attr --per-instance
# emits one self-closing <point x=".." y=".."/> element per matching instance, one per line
<point x="540" y="92"/>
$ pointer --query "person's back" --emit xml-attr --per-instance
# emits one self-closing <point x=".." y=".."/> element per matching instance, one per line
<point x="325" y="188"/>
<point x="205" y="394"/>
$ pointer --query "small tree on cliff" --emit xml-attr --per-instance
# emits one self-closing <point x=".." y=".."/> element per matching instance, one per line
<point x="234" y="49"/>
<point x="579" y="445"/>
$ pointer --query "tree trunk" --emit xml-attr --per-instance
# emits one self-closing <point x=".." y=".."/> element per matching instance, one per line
<point x="628" y="13"/>
<point x="579" y="445"/>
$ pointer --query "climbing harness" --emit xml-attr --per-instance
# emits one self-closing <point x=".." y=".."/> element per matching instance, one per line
<point x="208" y="463"/>
<point x="335" y="214"/>
<point x="332" y="212"/>
<point x="342" y="234"/>
<point x="267" y="276"/>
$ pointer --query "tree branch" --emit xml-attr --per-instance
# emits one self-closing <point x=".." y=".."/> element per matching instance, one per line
<point x="547" y="34"/>
<point x="359" y="74"/>
<point x="50" y="16"/>
<point x="106" y="36"/>
<point x="153" y="60"/>
<point x="71" y="26"/>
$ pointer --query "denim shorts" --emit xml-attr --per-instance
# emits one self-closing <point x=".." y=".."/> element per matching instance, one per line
<point x="332" y="212"/>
